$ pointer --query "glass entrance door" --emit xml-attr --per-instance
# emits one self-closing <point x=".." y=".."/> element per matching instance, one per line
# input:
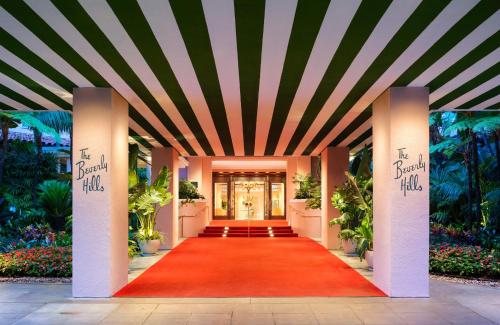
<point x="248" y="196"/>
<point x="249" y="200"/>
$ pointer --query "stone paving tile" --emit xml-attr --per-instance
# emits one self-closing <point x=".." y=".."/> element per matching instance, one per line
<point x="419" y="318"/>
<point x="345" y="316"/>
<point x="56" y="319"/>
<point x="210" y="319"/>
<point x="18" y="307"/>
<point x="413" y="307"/>
<point x="370" y="308"/>
<point x="195" y="308"/>
<point x="467" y="318"/>
<point x="336" y="319"/>
<point x="170" y="319"/>
<point x="370" y="317"/>
<point x="252" y="309"/>
<point x="295" y="319"/>
<point x="489" y="311"/>
<point x="330" y="308"/>
<point x="77" y="308"/>
<point x="135" y="308"/>
<point x="7" y="319"/>
<point x="291" y="308"/>
<point x="252" y="319"/>
<point x="125" y="318"/>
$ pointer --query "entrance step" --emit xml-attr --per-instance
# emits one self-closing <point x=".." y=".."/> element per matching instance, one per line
<point x="252" y="231"/>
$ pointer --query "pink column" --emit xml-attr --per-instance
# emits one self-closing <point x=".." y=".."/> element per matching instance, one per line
<point x="167" y="221"/>
<point x="401" y="192"/>
<point x="334" y="164"/>
<point x="100" y="198"/>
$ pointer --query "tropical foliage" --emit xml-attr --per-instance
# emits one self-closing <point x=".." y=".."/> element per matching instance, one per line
<point x="465" y="173"/>
<point x="55" y="199"/>
<point x="309" y="188"/>
<point x="35" y="205"/>
<point x="354" y="201"/>
<point x="188" y="192"/>
<point x="145" y="200"/>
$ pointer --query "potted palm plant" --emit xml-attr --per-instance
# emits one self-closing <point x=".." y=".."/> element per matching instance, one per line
<point x="145" y="202"/>
<point x="344" y="200"/>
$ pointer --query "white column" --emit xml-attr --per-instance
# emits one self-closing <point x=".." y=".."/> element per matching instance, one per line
<point x="334" y="164"/>
<point x="291" y="171"/>
<point x="401" y="192"/>
<point x="100" y="208"/>
<point x="206" y="184"/>
<point x="167" y="219"/>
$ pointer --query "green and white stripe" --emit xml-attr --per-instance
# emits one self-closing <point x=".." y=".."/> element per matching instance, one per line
<point x="249" y="77"/>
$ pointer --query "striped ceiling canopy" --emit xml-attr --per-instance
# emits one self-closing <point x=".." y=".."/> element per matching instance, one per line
<point x="249" y="77"/>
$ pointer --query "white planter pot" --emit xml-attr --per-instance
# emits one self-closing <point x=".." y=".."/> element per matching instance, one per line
<point x="149" y="246"/>
<point x="349" y="246"/>
<point x="369" y="258"/>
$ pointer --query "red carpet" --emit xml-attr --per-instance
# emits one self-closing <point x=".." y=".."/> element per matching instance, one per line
<point x="249" y="267"/>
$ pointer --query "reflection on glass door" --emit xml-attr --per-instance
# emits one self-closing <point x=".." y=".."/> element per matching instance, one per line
<point x="249" y="199"/>
<point x="277" y="199"/>
<point x="220" y="199"/>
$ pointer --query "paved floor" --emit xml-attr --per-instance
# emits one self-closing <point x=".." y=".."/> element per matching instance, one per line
<point x="52" y="304"/>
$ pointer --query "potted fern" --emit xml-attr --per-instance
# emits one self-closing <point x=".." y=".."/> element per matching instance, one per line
<point x="145" y="202"/>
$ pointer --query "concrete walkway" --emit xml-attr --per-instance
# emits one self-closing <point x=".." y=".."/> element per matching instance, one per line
<point x="52" y="304"/>
<point x="450" y="303"/>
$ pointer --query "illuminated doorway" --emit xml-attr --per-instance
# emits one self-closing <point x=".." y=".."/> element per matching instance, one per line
<point x="249" y="196"/>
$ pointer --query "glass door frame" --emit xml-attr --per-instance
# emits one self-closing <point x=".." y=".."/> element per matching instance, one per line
<point x="230" y="178"/>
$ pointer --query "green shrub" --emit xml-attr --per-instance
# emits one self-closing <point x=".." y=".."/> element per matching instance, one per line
<point x="467" y="261"/>
<point x="55" y="200"/>
<point x="38" y="262"/>
<point x="188" y="192"/>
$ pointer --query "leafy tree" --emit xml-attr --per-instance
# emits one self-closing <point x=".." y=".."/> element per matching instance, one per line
<point x="465" y="139"/>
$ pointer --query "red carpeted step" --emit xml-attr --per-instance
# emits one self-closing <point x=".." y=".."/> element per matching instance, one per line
<point x="247" y="235"/>
<point x="284" y="231"/>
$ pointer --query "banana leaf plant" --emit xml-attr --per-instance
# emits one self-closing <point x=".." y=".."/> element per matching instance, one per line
<point x="145" y="202"/>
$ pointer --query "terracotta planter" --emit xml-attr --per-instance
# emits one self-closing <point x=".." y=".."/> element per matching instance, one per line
<point x="369" y="258"/>
<point x="149" y="246"/>
<point x="349" y="246"/>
